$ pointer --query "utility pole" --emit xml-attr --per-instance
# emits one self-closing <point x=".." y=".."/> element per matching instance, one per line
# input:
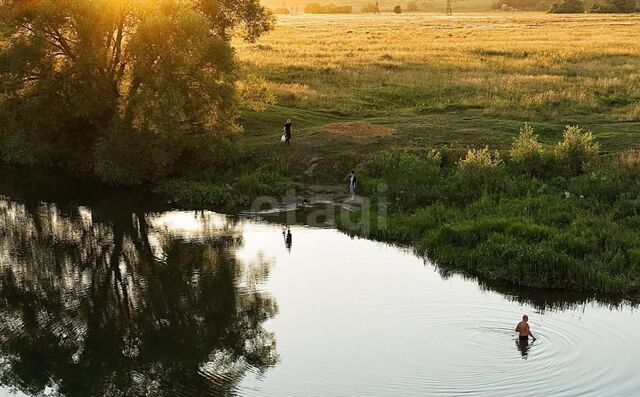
<point x="449" y="11"/>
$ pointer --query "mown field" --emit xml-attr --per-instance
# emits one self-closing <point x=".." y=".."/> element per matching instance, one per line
<point x="466" y="80"/>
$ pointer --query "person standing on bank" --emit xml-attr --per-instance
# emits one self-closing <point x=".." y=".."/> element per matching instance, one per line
<point x="288" y="129"/>
<point x="351" y="183"/>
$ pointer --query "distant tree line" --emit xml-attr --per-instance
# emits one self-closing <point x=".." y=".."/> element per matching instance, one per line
<point x="317" y="8"/>
<point x="615" y="6"/>
<point x="570" y="6"/>
<point x="523" y="5"/>
<point x="409" y="6"/>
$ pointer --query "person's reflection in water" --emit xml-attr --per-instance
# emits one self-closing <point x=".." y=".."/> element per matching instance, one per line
<point x="288" y="239"/>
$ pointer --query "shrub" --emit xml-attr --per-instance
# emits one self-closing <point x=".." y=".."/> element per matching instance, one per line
<point x="567" y="7"/>
<point x="479" y="158"/>
<point x="397" y="10"/>
<point x="526" y="152"/>
<point x="576" y="151"/>
<point x="478" y="173"/>
<point x="262" y="182"/>
<point x="412" y="180"/>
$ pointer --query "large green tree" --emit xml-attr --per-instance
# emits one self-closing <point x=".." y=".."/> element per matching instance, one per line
<point x="83" y="81"/>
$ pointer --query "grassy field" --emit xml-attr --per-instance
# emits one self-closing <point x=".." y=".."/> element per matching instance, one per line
<point x="377" y="93"/>
<point x="466" y="80"/>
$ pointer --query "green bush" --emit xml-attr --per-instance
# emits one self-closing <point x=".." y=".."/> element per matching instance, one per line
<point x="576" y="151"/>
<point x="480" y="172"/>
<point x="480" y="158"/>
<point x="527" y="153"/>
<point x="411" y="180"/>
<point x="262" y="182"/>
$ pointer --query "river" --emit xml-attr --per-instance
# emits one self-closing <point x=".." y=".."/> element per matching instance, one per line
<point x="112" y="293"/>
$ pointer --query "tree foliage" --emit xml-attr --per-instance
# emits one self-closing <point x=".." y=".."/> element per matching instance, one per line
<point x="615" y="6"/>
<point x="317" y="8"/>
<point x="75" y="72"/>
<point x="567" y="7"/>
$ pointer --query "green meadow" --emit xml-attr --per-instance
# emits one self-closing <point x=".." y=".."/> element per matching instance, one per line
<point x="430" y="106"/>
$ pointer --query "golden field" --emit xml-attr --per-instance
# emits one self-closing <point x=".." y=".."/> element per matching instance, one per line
<point x="414" y="70"/>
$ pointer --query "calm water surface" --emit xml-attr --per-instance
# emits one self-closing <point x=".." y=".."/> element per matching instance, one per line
<point x="116" y="295"/>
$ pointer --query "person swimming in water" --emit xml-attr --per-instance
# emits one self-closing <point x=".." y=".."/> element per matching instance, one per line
<point x="523" y="329"/>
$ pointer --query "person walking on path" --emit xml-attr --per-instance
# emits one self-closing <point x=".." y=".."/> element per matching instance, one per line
<point x="288" y="129"/>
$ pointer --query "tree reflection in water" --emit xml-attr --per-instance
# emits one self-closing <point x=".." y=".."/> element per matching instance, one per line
<point x="121" y="306"/>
